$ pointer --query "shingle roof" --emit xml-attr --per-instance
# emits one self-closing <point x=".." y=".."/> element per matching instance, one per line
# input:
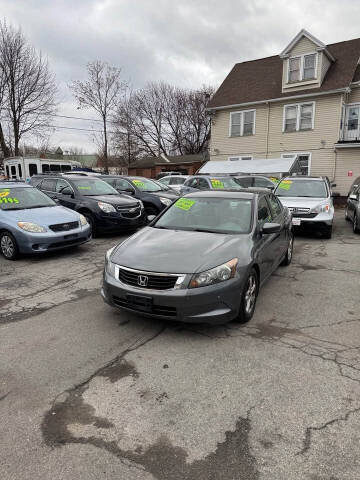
<point x="258" y="80"/>
<point x="173" y="160"/>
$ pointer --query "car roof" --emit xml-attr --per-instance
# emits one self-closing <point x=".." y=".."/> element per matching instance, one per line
<point x="174" y="176"/>
<point x="11" y="184"/>
<point x="245" y="193"/>
<point x="304" y="177"/>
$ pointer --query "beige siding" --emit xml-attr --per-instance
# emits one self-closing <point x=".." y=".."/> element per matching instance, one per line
<point x="354" y="96"/>
<point x="347" y="159"/>
<point x="326" y="126"/>
<point x="251" y="144"/>
<point x="325" y="64"/>
<point x="304" y="45"/>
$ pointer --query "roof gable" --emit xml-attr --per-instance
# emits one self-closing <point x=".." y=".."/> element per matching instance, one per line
<point x="297" y="38"/>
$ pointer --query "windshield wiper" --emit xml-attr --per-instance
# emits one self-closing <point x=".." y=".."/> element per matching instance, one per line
<point x="38" y="206"/>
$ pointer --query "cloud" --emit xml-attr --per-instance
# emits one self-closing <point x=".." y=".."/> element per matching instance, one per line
<point x="187" y="43"/>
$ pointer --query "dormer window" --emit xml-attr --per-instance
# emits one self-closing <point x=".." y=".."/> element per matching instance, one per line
<point x="302" y="68"/>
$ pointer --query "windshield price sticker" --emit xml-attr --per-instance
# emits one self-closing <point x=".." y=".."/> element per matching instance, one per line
<point x="285" y="184"/>
<point x="8" y="200"/>
<point x="4" y="193"/>
<point x="184" y="203"/>
<point x="216" y="183"/>
<point x="138" y="183"/>
<point x="84" y="188"/>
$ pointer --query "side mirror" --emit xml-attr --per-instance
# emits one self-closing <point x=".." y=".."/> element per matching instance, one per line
<point x="353" y="196"/>
<point x="128" y="191"/>
<point x="272" y="187"/>
<point x="270" y="228"/>
<point x="150" y="218"/>
<point x="67" y="191"/>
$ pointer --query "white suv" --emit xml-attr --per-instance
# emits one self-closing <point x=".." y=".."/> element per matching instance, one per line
<point x="310" y="202"/>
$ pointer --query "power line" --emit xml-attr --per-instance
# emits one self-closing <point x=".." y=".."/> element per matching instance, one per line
<point x="75" y="118"/>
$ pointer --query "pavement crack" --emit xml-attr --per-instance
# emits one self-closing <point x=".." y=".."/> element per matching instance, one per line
<point x="4" y="396"/>
<point x="309" y="431"/>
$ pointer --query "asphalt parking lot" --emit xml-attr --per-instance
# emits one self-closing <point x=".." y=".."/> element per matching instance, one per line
<point x="87" y="392"/>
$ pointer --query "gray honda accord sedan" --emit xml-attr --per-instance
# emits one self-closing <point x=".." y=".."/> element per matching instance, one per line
<point x="203" y="259"/>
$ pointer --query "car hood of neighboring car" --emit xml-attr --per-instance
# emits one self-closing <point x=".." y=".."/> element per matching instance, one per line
<point x="180" y="251"/>
<point x="171" y="194"/>
<point x="43" y="216"/>
<point x="124" y="200"/>
<point x="302" y="202"/>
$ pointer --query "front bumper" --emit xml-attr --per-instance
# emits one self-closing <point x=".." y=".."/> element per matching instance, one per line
<point x="114" y="222"/>
<point x="49" y="241"/>
<point x="215" y="304"/>
<point x="320" y="220"/>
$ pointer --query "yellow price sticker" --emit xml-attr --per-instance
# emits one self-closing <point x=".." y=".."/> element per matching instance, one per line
<point x="8" y="200"/>
<point x="4" y="193"/>
<point x="138" y="183"/>
<point x="285" y="184"/>
<point x="216" y="183"/>
<point x="184" y="203"/>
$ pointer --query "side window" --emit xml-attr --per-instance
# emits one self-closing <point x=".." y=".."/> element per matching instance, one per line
<point x="110" y="181"/>
<point x="275" y="205"/>
<point x="263" y="182"/>
<point x="60" y="185"/>
<point x="123" y="184"/>
<point x="193" y="183"/>
<point x="32" y="169"/>
<point x="264" y="214"/>
<point x="166" y="181"/>
<point x="48" y="185"/>
<point x="36" y="182"/>
<point x="245" y="181"/>
<point x="203" y="183"/>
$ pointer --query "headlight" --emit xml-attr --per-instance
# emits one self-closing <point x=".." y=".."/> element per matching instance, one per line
<point x="31" y="227"/>
<point x="165" y="201"/>
<point x="215" y="275"/>
<point x="106" y="207"/>
<point x="322" y="207"/>
<point x="83" y="220"/>
<point x="109" y="265"/>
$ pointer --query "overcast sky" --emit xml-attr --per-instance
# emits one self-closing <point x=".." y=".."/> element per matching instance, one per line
<point x="187" y="43"/>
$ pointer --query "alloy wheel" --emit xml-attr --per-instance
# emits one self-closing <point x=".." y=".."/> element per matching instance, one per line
<point x="7" y="246"/>
<point x="250" y="294"/>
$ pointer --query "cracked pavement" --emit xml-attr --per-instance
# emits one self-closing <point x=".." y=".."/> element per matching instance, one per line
<point x="88" y="392"/>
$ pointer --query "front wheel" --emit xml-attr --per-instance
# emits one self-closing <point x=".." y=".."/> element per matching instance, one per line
<point x="91" y="221"/>
<point x="248" y="298"/>
<point x="356" y="224"/>
<point x="347" y="214"/>
<point x="8" y="246"/>
<point x="289" y="251"/>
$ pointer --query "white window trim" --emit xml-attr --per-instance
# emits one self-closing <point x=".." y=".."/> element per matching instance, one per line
<point x="286" y="155"/>
<point x="242" y="112"/>
<point x="245" y="158"/>
<point x="298" y="109"/>
<point x="302" y="79"/>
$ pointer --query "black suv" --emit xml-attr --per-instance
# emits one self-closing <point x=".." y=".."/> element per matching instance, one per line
<point x="154" y="196"/>
<point x="104" y="208"/>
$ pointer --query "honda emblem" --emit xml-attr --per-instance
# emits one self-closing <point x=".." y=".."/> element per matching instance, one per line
<point x="142" y="280"/>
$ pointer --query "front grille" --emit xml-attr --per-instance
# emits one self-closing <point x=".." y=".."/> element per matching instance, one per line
<point x="64" y="227"/>
<point x="153" y="280"/>
<point x="299" y="210"/>
<point x="160" y="310"/>
<point x="304" y="215"/>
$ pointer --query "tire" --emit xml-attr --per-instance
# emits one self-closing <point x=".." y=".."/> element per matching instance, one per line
<point x="327" y="233"/>
<point x="356" y="227"/>
<point x="251" y="288"/>
<point x="8" y="246"/>
<point x="91" y="221"/>
<point x="289" y="251"/>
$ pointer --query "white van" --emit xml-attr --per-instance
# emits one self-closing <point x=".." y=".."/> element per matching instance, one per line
<point x="22" y="168"/>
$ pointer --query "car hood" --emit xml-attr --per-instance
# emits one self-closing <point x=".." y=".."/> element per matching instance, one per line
<point x="124" y="200"/>
<point x="166" y="194"/>
<point x="303" y="202"/>
<point x="44" y="216"/>
<point x="178" y="251"/>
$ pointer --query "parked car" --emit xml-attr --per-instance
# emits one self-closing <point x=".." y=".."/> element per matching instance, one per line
<point x="104" y="208"/>
<point x="174" y="172"/>
<point x="203" y="259"/>
<point x="310" y="202"/>
<point x="153" y="194"/>
<point x="208" y="182"/>
<point x="352" y="210"/>
<point x="354" y="185"/>
<point x="30" y="222"/>
<point x="261" y="181"/>
<point x="174" y="181"/>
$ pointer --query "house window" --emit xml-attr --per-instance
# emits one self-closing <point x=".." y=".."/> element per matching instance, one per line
<point x="242" y="123"/>
<point x="294" y="69"/>
<point x="298" y="117"/>
<point x="302" y="68"/>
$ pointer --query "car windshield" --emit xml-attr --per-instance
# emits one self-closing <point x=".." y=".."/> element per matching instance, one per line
<point x="302" y="188"/>
<point x="216" y="215"/>
<point x="91" y="186"/>
<point x="147" y="185"/>
<point x="21" y="198"/>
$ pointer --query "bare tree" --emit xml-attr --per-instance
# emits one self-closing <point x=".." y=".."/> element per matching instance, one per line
<point x="100" y="92"/>
<point x="4" y="147"/>
<point x="29" y="85"/>
<point x="161" y="118"/>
